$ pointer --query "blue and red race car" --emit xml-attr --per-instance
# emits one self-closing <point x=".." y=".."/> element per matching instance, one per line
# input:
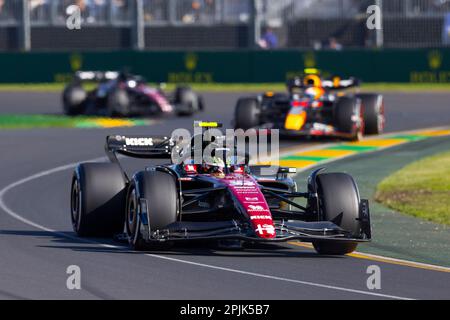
<point x="314" y="106"/>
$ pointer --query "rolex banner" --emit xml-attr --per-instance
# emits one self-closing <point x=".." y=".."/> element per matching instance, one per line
<point x="389" y="65"/>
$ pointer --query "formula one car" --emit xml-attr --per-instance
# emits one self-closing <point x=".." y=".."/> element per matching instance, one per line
<point x="122" y="94"/>
<point x="314" y="106"/>
<point x="223" y="200"/>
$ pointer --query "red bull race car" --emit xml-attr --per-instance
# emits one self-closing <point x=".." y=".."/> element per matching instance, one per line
<point x="221" y="199"/>
<point x="120" y="94"/>
<point x="314" y="106"/>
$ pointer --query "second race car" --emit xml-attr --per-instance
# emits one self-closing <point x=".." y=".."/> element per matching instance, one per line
<point x="314" y="106"/>
<point x="121" y="94"/>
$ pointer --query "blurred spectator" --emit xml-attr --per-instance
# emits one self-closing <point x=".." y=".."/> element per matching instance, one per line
<point x="198" y="11"/>
<point x="156" y="10"/>
<point x="82" y="4"/>
<point x="92" y="11"/>
<point x="3" y="12"/>
<point x="40" y="10"/>
<point x="6" y="12"/>
<point x="96" y="10"/>
<point x="333" y="44"/>
<point x="446" y="30"/>
<point x="269" y="39"/>
<point x="121" y="10"/>
<point x="208" y="11"/>
<point x="192" y="15"/>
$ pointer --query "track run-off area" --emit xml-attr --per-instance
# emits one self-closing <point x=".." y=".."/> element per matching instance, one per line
<point x="37" y="243"/>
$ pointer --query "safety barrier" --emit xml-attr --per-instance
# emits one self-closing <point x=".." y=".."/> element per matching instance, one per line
<point x="389" y="65"/>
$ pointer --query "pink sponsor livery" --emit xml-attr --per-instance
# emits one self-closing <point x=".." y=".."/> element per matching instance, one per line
<point x="246" y="190"/>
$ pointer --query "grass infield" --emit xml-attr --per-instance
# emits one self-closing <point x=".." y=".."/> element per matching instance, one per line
<point x="421" y="189"/>
<point x="13" y="121"/>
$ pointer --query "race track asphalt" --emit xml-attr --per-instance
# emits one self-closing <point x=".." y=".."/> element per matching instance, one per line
<point x="37" y="244"/>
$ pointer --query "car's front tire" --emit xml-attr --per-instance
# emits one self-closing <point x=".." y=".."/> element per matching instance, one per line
<point x="74" y="98"/>
<point x="133" y="221"/>
<point x="339" y="203"/>
<point x="118" y="103"/>
<point x="159" y="192"/>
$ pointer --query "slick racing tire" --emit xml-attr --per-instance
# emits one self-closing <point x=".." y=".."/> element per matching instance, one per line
<point x="373" y="112"/>
<point x="118" y="103"/>
<point x="190" y="101"/>
<point x="98" y="200"/>
<point x="74" y="97"/>
<point x="157" y="190"/>
<point x="348" y="119"/>
<point x="247" y="113"/>
<point x="339" y="203"/>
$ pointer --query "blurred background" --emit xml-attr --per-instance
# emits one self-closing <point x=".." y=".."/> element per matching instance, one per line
<point x="187" y="26"/>
<point x="224" y="23"/>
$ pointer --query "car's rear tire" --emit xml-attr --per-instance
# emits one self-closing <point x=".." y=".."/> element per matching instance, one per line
<point x="339" y="203"/>
<point x="118" y="103"/>
<point x="373" y="112"/>
<point x="98" y="200"/>
<point x="161" y="195"/>
<point x="348" y="119"/>
<point x="74" y="97"/>
<point x="247" y="113"/>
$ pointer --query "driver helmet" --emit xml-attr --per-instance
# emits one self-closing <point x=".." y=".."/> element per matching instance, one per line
<point x="214" y="165"/>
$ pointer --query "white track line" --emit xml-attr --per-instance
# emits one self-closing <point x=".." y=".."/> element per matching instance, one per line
<point x="41" y="174"/>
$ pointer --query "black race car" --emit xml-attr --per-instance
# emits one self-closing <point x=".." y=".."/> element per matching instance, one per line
<point x="219" y="200"/>
<point x="121" y="94"/>
<point x="314" y="106"/>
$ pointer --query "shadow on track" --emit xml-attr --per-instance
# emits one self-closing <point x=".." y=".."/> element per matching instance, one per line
<point x="97" y="245"/>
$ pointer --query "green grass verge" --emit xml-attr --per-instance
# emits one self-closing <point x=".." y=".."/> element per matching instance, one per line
<point x="37" y="121"/>
<point x="421" y="189"/>
<point x="249" y="87"/>
<point x="26" y="121"/>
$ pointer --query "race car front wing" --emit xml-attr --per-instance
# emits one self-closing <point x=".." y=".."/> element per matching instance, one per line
<point x="285" y="230"/>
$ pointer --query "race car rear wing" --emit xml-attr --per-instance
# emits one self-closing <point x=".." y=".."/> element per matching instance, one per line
<point x="334" y="83"/>
<point x="139" y="147"/>
<point x="337" y="83"/>
<point x="95" y="76"/>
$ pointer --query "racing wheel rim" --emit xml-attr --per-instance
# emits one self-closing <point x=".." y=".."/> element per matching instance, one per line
<point x="132" y="213"/>
<point x="75" y="204"/>
<point x="381" y="117"/>
<point x="360" y="123"/>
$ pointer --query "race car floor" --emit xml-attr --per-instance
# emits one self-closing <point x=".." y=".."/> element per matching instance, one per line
<point x="37" y="244"/>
